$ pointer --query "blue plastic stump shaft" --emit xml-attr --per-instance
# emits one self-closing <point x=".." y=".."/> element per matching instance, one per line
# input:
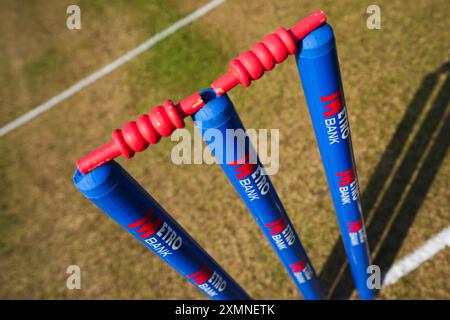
<point x="115" y="192"/>
<point x="319" y="72"/>
<point x="255" y="189"/>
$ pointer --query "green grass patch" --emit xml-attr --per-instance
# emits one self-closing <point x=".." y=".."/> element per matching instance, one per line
<point x="49" y="61"/>
<point x="9" y="221"/>
<point x="5" y="71"/>
<point x="182" y="64"/>
<point x="151" y="15"/>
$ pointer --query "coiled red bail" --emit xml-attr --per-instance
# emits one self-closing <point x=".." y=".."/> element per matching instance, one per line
<point x="136" y="136"/>
<point x="263" y="56"/>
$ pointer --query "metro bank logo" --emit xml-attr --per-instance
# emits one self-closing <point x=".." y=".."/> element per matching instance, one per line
<point x="302" y="270"/>
<point x="298" y="266"/>
<point x="242" y="167"/>
<point x="202" y="275"/>
<point x="335" y="118"/>
<point x="356" y="232"/>
<point x="346" y="177"/>
<point x="348" y="187"/>
<point x="208" y="280"/>
<point x="159" y="235"/>
<point x="334" y="105"/>
<point x="148" y="225"/>
<point x="281" y="232"/>
<point x="277" y="226"/>
<point x="354" y="226"/>
<point x="251" y="177"/>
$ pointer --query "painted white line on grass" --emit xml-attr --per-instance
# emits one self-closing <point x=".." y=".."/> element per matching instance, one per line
<point x="110" y="67"/>
<point x="419" y="256"/>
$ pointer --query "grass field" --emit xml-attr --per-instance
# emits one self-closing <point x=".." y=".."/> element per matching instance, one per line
<point x="396" y="82"/>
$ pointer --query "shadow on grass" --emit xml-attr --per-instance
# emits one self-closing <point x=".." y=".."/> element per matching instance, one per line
<point x="391" y="206"/>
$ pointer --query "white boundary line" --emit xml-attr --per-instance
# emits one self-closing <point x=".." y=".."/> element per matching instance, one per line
<point x="108" y="68"/>
<point x="419" y="256"/>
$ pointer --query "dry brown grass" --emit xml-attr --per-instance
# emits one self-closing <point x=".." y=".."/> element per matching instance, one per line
<point x="47" y="225"/>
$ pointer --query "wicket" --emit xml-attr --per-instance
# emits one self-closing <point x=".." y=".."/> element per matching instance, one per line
<point x="109" y="187"/>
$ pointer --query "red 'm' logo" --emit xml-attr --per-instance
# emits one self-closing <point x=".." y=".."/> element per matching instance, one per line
<point x="277" y="226"/>
<point x="346" y="177"/>
<point x="298" y="266"/>
<point x="335" y="104"/>
<point x="147" y="225"/>
<point x="354" y="226"/>
<point x="202" y="275"/>
<point x="243" y="167"/>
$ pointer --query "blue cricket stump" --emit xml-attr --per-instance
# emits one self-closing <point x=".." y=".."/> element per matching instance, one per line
<point x="115" y="192"/>
<point x="255" y="188"/>
<point x="319" y="72"/>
